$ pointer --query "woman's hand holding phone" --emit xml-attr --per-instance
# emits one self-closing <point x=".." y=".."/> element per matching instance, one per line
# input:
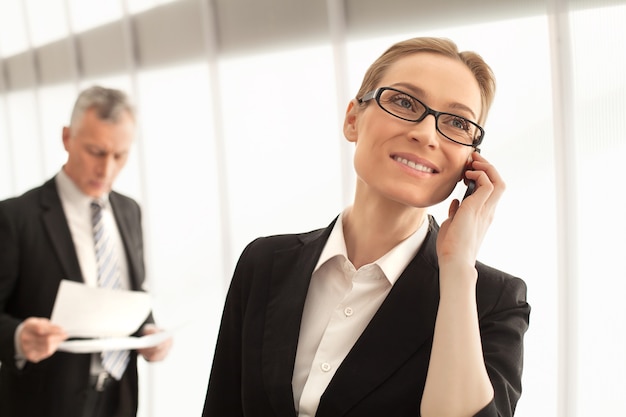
<point x="471" y="186"/>
<point x="461" y="235"/>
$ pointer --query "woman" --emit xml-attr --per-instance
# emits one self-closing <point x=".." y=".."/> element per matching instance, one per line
<point x="384" y="313"/>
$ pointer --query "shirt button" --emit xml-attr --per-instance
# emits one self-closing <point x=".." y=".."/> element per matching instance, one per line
<point x="348" y="311"/>
<point x="325" y="367"/>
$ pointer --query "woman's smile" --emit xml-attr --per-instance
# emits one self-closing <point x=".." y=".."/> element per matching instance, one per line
<point x="414" y="165"/>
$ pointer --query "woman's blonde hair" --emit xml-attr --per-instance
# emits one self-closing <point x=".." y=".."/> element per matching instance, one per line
<point x="482" y="72"/>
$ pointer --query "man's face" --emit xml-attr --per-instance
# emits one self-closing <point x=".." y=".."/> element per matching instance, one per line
<point x="97" y="151"/>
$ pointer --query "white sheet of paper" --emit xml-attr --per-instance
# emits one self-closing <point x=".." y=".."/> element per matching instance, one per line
<point x="114" y="343"/>
<point x="88" y="312"/>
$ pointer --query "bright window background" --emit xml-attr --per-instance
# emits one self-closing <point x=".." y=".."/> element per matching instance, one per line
<point x="136" y="6"/>
<point x="281" y="142"/>
<point x="13" y="32"/>
<point x="599" y="62"/>
<point x="182" y="214"/>
<point x="53" y="103"/>
<point x="88" y="14"/>
<point x="22" y="110"/>
<point x="47" y="20"/>
<point x="233" y="145"/>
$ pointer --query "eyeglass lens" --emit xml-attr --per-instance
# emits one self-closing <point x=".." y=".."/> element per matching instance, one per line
<point x="407" y="107"/>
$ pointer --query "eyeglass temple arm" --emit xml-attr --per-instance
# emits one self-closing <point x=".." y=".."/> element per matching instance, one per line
<point x="368" y="96"/>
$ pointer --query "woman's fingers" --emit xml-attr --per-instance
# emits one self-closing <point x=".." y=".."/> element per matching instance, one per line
<point x="489" y="183"/>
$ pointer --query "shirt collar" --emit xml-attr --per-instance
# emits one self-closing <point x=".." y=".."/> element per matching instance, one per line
<point x="392" y="263"/>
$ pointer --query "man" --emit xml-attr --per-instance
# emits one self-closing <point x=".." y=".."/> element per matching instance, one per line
<point x="47" y="235"/>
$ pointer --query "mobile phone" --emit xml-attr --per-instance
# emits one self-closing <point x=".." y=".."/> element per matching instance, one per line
<point x="471" y="186"/>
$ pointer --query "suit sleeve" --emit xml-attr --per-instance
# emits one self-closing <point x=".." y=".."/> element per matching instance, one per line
<point x="8" y="277"/>
<point x="224" y="392"/>
<point x="502" y="330"/>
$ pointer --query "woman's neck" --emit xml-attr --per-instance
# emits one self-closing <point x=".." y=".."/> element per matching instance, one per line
<point x="371" y="230"/>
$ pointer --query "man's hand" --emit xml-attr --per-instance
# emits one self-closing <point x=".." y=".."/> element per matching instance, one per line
<point x="39" y="338"/>
<point x="158" y="352"/>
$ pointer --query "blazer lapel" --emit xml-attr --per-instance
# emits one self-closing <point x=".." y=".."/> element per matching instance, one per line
<point x="290" y="277"/>
<point x="403" y="323"/>
<point x="128" y="231"/>
<point x="59" y="233"/>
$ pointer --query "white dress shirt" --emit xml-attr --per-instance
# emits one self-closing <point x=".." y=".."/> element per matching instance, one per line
<point x="340" y="303"/>
<point x="77" y="209"/>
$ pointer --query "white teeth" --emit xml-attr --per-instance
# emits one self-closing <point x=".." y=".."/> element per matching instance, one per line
<point x="418" y="167"/>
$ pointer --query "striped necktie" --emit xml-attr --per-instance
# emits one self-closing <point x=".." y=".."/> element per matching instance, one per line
<point x="114" y="362"/>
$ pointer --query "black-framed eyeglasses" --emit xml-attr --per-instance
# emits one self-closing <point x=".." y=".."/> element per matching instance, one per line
<point x="406" y="107"/>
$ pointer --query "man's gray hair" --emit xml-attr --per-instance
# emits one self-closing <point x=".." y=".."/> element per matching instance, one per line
<point x="108" y="103"/>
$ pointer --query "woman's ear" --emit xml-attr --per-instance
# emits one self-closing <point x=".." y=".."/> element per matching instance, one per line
<point x="350" y="130"/>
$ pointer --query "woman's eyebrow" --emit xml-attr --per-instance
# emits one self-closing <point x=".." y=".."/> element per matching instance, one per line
<point x="420" y="92"/>
<point x="462" y="106"/>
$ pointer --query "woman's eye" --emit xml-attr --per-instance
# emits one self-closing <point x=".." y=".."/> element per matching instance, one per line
<point x="460" y="123"/>
<point x="404" y="102"/>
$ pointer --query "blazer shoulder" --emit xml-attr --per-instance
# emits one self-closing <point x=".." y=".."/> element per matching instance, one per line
<point x="260" y="252"/>
<point x="495" y="287"/>
<point x="123" y="200"/>
<point x="272" y="243"/>
<point x="31" y="200"/>
<point x="288" y="241"/>
<point x="490" y="276"/>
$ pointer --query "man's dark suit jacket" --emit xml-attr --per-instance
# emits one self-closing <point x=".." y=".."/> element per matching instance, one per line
<point x="36" y="253"/>
<point x="385" y="372"/>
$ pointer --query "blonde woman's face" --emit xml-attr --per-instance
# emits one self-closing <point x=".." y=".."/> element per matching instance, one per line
<point x="410" y="162"/>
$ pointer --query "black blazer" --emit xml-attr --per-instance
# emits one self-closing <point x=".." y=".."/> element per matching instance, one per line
<point x="36" y="253"/>
<point x="385" y="372"/>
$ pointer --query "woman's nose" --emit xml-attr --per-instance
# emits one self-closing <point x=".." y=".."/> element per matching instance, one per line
<point x="425" y="131"/>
